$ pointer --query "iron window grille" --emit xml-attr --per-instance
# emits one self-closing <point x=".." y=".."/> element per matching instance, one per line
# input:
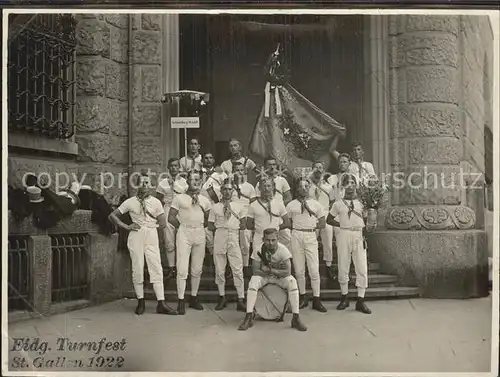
<point x="41" y="77"/>
<point x="70" y="267"/>
<point x="19" y="274"/>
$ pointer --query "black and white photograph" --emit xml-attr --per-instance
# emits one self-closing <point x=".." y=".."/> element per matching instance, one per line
<point x="297" y="191"/>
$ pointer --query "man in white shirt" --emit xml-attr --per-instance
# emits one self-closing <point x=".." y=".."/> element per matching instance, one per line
<point x="348" y="214"/>
<point x="147" y="216"/>
<point x="189" y="214"/>
<point x="362" y="170"/>
<point x="211" y="190"/>
<point x="267" y="211"/>
<point x="243" y="193"/>
<point x="271" y="265"/>
<point x="281" y="192"/>
<point x="208" y="167"/>
<point x="236" y="156"/>
<point x="344" y="161"/>
<point x="226" y="219"/>
<point x="324" y="193"/>
<point x="168" y="188"/>
<point x="306" y="215"/>
<point x="192" y="160"/>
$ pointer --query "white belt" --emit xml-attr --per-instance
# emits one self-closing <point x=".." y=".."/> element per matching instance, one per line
<point x="229" y="229"/>
<point x="191" y="226"/>
<point x="149" y="226"/>
<point x="353" y="228"/>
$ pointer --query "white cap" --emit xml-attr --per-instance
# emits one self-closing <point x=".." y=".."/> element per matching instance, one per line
<point x="75" y="188"/>
<point x="85" y="187"/>
<point x="33" y="190"/>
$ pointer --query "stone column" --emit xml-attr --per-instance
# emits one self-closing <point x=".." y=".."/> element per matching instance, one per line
<point x="147" y="68"/>
<point x="40" y="254"/>
<point x="432" y="240"/>
<point x="170" y="83"/>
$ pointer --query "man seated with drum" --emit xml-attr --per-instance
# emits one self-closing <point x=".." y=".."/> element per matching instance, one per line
<point x="271" y="265"/>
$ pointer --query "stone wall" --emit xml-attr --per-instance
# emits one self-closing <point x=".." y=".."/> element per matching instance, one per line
<point x="437" y="122"/>
<point x="102" y="100"/>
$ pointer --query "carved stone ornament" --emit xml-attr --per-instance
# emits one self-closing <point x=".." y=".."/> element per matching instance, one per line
<point x="430" y="218"/>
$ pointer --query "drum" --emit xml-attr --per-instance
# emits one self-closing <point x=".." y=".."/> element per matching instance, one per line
<point x="272" y="301"/>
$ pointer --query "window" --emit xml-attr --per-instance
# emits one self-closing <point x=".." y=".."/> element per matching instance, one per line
<point x="41" y="75"/>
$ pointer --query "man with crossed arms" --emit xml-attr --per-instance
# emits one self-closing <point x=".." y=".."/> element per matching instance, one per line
<point x="189" y="214"/>
<point x="281" y="192"/>
<point x="271" y="264"/>
<point x="226" y="219"/>
<point x="168" y="188"/>
<point x="307" y="215"/>
<point x="243" y="193"/>
<point x="267" y="211"/>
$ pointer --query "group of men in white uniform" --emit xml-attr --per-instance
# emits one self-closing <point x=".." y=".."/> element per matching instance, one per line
<point x="202" y="207"/>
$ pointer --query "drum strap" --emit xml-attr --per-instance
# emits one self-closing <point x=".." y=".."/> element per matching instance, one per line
<point x="282" y="310"/>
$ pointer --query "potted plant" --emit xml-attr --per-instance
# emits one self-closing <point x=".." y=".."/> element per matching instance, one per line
<point x="373" y="195"/>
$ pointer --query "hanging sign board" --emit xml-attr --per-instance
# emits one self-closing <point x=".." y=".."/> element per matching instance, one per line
<point x="185" y="122"/>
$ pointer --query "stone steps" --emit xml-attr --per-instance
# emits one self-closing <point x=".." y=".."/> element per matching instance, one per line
<point x="381" y="286"/>
<point x="374" y="280"/>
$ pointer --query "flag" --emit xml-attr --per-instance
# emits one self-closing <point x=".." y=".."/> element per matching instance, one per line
<point x="294" y="130"/>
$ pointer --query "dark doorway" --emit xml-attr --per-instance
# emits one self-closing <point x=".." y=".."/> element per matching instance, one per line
<point x="195" y="74"/>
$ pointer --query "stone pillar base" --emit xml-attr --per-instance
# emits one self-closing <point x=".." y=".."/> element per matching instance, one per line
<point x="443" y="264"/>
<point x="102" y="253"/>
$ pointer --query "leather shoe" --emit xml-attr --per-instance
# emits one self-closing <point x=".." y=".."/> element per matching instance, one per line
<point x="181" y="307"/>
<point x="361" y="307"/>
<point x="344" y="303"/>
<point x="141" y="306"/>
<point x="297" y="323"/>
<point x="317" y="305"/>
<point x="163" y="308"/>
<point x="195" y="304"/>
<point x="247" y="322"/>
<point x="221" y="304"/>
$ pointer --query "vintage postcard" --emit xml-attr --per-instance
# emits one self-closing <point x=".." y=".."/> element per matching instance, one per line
<point x="302" y="192"/>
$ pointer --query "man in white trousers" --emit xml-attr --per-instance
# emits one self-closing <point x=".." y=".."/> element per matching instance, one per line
<point x="306" y="215"/>
<point x="348" y="214"/>
<point x="226" y="219"/>
<point x="271" y="264"/>
<point x="267" y="211"/>
<point x="189" y="215"/>
<point x="323" y="192"/>
<point x="281" y="192"/>
<point x="243" y="193"/>
<point x="344" y="161"/>
<point x="168" y="188"/>
<point x="147" y="216"/>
